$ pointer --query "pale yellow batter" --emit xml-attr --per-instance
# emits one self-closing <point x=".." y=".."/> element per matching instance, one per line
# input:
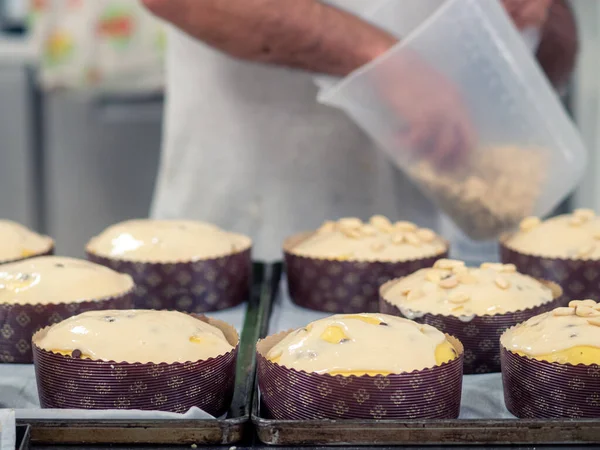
<point x="54" y="279"/>
<point x="574" y="235"/>
<point x="135" y="336"/>
<point x="360" y="344"/>
<point x="565" y="335"/>
<point x="165" y="241"/>
<point x="452" y="289"/>
<point x="17" y="241"/>
<point x="377" y="240"/>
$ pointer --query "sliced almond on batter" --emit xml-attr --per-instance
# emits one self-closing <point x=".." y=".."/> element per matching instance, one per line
<point x="502" y="283"/>
<point x="382" y="223"/>
<point x="459" y="297"/>
<point x="426" y="235"/>
<point x="529" y="223"/>
<point x="563" y="311"/>
<point x="448" y="283"/>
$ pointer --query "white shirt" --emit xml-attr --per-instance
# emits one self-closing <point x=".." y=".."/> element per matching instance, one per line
<point x="247" y="147"/>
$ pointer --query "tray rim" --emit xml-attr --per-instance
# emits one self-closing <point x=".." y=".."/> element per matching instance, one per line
<point x="173" y="431"/>
<point x="453" y="432"/>
<point x="23" y="437"/>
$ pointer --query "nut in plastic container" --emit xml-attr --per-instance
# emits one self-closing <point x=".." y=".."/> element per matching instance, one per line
<point x="463" y="108"/>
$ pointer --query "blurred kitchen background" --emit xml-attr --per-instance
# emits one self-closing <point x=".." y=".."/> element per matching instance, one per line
<point x="81" y="112"/>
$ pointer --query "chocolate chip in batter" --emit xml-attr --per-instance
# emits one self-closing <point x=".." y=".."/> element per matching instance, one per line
<point x="109" y="319"/>
<point x="573" y="335"/>
<point x="59" y="265"/>
<point x="76" y="353"/>
<point x="343" y="341"/>
<point x="383" y="324"/>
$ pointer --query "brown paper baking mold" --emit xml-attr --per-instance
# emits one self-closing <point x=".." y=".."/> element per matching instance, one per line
<point x="480" y="336"/>
<point x="198" y="286"/>
<point x="289" y="394"/>
<point x="342" y="286"/>
<point x="579" y="278"/>
<point x="18" y="323"/>
<point x="66" y="382"/>
<point x="544" y="390"/>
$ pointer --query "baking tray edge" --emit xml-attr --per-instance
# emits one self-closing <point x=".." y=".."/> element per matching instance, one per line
<point x="411" y="432"/>
<point x="223" y="431"/>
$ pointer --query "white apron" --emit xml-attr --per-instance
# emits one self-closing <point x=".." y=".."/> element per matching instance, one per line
<point x="247" y="147"/>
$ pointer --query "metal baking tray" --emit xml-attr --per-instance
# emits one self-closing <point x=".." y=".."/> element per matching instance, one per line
<point x="411" y="432"/>
<point x="23" y="437"/>
<point x="229" y="430"/>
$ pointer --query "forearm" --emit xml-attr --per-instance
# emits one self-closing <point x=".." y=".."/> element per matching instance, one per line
<point x="303" y="34"/>
<point x="559" y="43"/>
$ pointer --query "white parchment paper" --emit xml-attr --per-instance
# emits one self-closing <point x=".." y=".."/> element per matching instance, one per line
<point x="8" y="437"/>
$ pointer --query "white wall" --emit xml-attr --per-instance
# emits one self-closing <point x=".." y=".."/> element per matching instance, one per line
<point x="587" y="99"/>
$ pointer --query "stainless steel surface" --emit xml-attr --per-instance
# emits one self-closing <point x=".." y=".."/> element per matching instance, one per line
<point x="100" y="161"/>
<point x="23" y="437"/>
<point x="18" y="189"/>
<point x="262" y="447"/>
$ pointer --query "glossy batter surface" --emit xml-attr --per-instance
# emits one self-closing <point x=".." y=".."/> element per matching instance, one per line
<point x="165" y="240"/>
<point x="136" y="336"/>
<point x="360" y="344"/>
<point x="450" y="288"/>
<point x="565" y="335"/>
<point x="17" y="241"/>
<point x="377" y="240"/>
<point x="55" y="279"/>
<point x="574" y="235"/>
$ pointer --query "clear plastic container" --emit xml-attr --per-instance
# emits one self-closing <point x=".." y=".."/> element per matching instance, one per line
<point x="461" y="106"/>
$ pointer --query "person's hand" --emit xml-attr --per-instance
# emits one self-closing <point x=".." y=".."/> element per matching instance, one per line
<point x="435" y="122"/>
<point x="528" y="13"/>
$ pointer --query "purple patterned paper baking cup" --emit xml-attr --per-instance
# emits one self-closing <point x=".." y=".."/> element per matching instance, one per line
<point x="544" y="390"/>
<point x="48" y="252"/>
<point x="480" y="335"/>
<point x="195" y="286"/>
<point x="346" y="287"/>
<point x="579" y="278"/>
<point x="289" y="394"/>
<point x="18" y="323"/>
<point x="66" y="382"/>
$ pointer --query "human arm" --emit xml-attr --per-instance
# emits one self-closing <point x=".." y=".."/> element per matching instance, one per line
<point x="559" y="44"/>
<point x="305" y="34"/>
<point x="556" y="54"/>
<point x="310" y="35"/>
